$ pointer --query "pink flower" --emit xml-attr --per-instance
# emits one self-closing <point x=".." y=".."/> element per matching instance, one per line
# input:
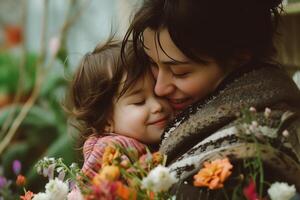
<point x="250" y="191"/>
<point x="54" y="45"/>
<point x="3" y="182"/>
<point x="75" y="194"/>
<point x="28" y="196"/>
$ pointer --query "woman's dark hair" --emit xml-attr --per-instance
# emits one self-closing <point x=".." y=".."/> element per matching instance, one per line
<point x="216" y="28"/>
<point x="96" y="85"/>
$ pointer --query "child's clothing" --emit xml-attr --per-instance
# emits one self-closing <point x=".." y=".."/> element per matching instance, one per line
<point x="94" y="147"/>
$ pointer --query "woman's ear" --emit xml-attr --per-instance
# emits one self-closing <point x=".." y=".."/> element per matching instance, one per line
<point x="109" y="127"/>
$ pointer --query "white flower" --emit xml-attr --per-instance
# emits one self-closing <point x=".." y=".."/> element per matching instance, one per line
<point x="281" y="191"/>
<point x="159" y="179"/>
<point x="267" y="113"/>
<point x="285" y="133"/>
<point x="267" y="131"/>
<point x="254" y="124"/>
<point x="252" y="109"/>
<point x="41" y="196"/>
<point x="57" y="189"/>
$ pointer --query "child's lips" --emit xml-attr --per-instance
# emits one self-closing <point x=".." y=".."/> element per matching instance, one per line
<point x="161" y="122"/>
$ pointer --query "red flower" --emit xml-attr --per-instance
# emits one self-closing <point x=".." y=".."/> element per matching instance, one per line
<point x="250" y="191"/>
<point x="21" y="180"/>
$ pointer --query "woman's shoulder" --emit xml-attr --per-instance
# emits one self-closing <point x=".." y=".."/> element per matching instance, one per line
<point x="264" y="86"/>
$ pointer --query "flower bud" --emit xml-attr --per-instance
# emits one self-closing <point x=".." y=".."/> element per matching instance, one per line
<point x="21" y="180"/>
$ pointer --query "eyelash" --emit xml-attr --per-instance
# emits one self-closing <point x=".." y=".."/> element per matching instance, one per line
<point x="139" y="103"/>
<point x="154" y="65"/>
<point x="180" y="75"/>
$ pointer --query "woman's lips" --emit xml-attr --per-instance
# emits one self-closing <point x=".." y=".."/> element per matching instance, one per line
<point x="179" y="104"/>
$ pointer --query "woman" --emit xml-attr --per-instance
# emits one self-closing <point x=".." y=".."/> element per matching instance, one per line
<point x="211" y="59"/>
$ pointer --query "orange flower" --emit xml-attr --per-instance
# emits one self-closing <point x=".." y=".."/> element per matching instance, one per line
<point x="28" y="196"/>
<point x="109" y="155"/>
<point x="214" y="174"/>
<point x="151" y="195"/>
<point x="108" y="173"/>
<point x="125" y="193"/>
<point x="21" y="180"/>
<point x="13" y="35"/>
<point x="157" y="158"/>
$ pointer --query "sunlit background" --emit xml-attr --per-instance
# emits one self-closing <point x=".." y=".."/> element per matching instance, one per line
<point x="41" y="42"/>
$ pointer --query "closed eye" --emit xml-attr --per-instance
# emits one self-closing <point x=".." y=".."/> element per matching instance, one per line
<point x="139" y="103"/>
<point x="180" y="75"/>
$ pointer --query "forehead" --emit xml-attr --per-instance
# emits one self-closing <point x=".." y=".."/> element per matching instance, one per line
<point x="143" y="85"/>
<point x="160" y="47"/>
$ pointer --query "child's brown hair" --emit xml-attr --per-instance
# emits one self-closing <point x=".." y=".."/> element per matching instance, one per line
<point x="95" y="85"/>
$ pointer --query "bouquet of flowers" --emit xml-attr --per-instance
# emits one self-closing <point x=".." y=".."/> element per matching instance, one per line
<point x="248" y="180"/>
<point x="123" y="175"/>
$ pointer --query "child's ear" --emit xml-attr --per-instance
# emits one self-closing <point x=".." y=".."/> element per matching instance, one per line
<point x="109" y="127"/>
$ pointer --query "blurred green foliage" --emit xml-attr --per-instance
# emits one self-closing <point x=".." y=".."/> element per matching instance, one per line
<point x="293" y="1"/>
<point x="9" y="73"/>
<point x="44" y="130"/>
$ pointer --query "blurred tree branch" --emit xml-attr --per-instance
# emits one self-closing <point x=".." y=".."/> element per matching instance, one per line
<point x="21" y="81"/>
<point x="42" y="68"/>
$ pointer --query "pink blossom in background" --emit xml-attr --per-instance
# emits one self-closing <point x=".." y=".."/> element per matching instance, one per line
<point x="3" y="182"/>
<point x="54" y="45"/>
<point x="75" y="194"/>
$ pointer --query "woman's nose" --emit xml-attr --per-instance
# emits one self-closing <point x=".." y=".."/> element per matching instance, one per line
<point x="163" y="85"/>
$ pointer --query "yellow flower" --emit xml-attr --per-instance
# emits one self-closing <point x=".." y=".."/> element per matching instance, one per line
<point x="157" y="158"/>
<point x="108" y="173"/>
<point x="109" y="155"/>
<point x="214" y="174"/>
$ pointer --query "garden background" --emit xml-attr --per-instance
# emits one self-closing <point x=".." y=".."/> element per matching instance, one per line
<point x="41" y="43"/>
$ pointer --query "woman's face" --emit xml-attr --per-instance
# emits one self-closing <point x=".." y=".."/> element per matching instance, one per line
<point x="181" y="80"/>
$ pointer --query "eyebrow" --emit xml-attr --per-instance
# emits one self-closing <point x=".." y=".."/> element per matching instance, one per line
<point x="174" y="62"/>
<point x="170" y="62"/>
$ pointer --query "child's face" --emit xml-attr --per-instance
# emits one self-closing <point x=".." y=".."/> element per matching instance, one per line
<point x="140" y="114"/>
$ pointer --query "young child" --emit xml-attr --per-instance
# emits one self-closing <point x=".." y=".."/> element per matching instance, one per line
<point x="112" y="106"/>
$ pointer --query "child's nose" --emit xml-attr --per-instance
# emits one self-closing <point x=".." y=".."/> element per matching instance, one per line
<point x="156" y="106"/>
